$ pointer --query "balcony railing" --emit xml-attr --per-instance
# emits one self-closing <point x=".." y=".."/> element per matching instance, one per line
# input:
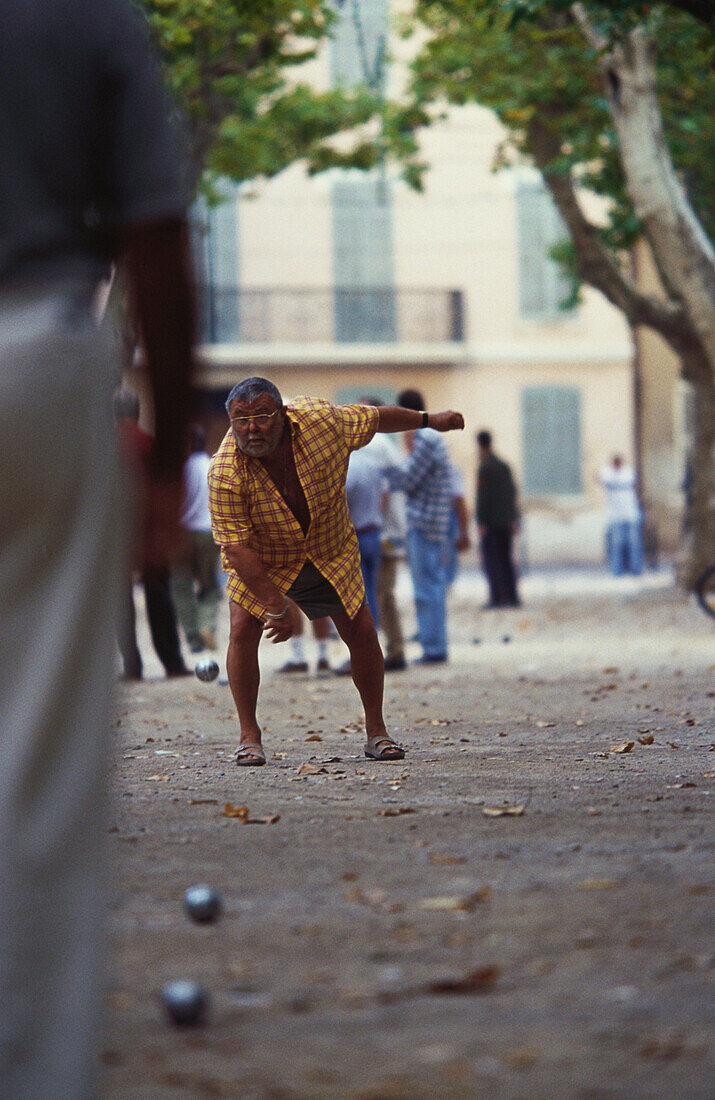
<point x="233" y="315"/>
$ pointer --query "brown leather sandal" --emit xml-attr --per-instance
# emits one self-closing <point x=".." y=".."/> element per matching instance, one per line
<point x="390" y="750"/>
<point x="249" y="755"/>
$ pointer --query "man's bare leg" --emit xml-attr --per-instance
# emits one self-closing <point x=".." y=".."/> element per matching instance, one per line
<point x="368" y="669"/>
<point x="243" y="671"/>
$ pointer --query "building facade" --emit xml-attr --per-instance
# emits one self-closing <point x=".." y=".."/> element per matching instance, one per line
<point x="349" y="283"/>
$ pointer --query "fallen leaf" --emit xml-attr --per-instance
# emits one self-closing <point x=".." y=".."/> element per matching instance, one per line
<point x="646" y="739"/>
<point x="674" y="744"/>
<point x="545" y="725"/>
<point x="444" y="857"/>
<point x="312" y="769"/>
<point x="463" y="903"/>
<point x="241" y="812"/>
<point x="678" y="786"/>
<point x="314" y="737"/>
<point x="593" y="811"/>
<point x="235" y="811"/>
<point x="624" y="746"/>
<point x="476" y="981"/>
<point x="612" y="670"/>
<point x="597" y="884"/>
<point x="397" y="811"/>
<point x="157" y="778"/>
<point x="504" y="811"/>
<point x="202" y="802"/>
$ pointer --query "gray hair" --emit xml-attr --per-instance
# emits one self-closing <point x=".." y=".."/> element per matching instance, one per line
<point x="251" y="389"/>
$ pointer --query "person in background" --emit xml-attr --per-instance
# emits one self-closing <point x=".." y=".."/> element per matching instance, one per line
<point x="195" y="565"/>
<point x="624" y="530"/>
<point x="458" y="535"/>
<point x="91" y="175"/>
<point x="365" y="488"/>
<point x="298" y="662"/>
<point x="384" y="452"/>
<point x="425" y="480"/>
<point x="136" y="445"/>
<point x="497" y="522"/>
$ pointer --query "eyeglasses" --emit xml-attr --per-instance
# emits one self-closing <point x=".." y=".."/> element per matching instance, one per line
<point x="257" y="418"/>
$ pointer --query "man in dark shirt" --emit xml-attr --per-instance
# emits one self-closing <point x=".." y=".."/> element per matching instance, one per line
<point x="89" y="174"/>
<point x="497" y="523"/>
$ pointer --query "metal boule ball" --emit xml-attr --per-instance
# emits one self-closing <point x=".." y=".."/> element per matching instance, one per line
<point x="506" y="639"/>
<point x="207" y="669"/>
<point x="202" y="903"/>
<point x="185" y="1002"/>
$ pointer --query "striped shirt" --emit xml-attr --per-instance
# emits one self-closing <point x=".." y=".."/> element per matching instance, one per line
<point x="425" y="479"/>
<point x="248" y="510"/>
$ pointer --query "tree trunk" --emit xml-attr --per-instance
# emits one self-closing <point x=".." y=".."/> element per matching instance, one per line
<point x="682" y="251"/>
<point x="699" y="541"/>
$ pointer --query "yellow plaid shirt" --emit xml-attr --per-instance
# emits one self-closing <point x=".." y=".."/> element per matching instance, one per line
<point x="248" y="510"/>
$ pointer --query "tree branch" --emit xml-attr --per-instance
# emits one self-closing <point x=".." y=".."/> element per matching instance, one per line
<point x="596" y="266"/>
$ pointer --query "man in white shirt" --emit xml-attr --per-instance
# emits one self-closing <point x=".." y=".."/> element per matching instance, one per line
<point x="195" y="568"/>
<point x="624" y="532"/>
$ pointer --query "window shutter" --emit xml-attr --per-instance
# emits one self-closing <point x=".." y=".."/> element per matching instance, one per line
<point x="363" y="261"/>
<point x="551" y="440"/>
<point x="542" y="286"/>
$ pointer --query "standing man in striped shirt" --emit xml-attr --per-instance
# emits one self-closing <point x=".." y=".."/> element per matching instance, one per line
<point x="280" y="515"/>
<point x="427" y="483"/>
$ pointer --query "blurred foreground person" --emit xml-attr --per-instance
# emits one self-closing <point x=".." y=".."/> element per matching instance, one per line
<point x="624" y="530"/>
<point x="280" y="514"/>
<point x="135" y="448"/>
<point x="195" y="568"/>
<point x="89" y="170"/>
<point x="497" y="523"/>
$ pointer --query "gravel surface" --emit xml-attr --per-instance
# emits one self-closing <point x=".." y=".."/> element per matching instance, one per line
<point x="519" y="909"/>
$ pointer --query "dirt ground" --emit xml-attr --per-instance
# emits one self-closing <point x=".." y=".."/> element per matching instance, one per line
<point x="387" y="932"/>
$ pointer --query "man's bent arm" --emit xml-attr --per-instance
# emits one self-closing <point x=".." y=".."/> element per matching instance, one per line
<point x="159" y="270"/>
<point x="393" y="418"/>
<point x="250" y="569"/>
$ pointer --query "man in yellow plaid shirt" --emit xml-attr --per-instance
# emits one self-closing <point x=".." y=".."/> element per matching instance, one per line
<point x="279" y="514"/>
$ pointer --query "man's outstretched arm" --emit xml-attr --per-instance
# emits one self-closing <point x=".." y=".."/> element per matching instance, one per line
<point x="393" y="418"/>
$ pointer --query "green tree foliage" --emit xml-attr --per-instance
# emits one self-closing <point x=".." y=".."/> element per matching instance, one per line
<point x="234" y="68"/>
<point x="529" y="63"/>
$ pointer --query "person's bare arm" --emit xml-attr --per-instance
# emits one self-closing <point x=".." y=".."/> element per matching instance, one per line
<point x="158" y="267"/>
<point x="250" y="569"/>
<point x="460" y="509"/>
<point x="395" y="419"/>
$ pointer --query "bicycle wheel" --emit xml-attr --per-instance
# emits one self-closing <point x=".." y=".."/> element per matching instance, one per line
<point x="705" y="591"/>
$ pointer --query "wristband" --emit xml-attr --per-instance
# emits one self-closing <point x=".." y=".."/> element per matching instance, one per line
<point x="425" y="418"/>
<point x="281" y="615"/>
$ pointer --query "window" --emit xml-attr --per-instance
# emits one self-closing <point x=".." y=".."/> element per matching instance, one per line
<point x="358" y="39"/>
<point x="350" y="395"/>
<point x="363" y="260"/>
<point x="542" y="286"/>
<point x="551" y="440"/>
<point x="215" y="246"/>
